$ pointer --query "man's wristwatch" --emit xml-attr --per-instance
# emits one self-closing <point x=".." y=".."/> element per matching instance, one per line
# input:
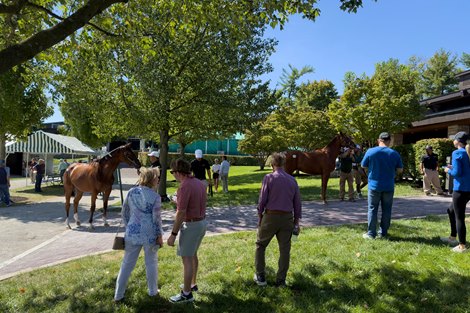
<point x="174" y="234"/>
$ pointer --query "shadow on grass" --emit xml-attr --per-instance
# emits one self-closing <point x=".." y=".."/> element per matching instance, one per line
<point x="382" y="288"/>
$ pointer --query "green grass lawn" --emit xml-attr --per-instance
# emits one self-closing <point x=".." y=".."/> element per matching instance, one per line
<point x="332" y="270"/>
<point x="244" y="186"/>
<point x="245" y="183"/>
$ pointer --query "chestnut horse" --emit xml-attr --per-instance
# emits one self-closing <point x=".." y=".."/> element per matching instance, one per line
<point x="318" y="162"/>
<point x="95" y="177"/>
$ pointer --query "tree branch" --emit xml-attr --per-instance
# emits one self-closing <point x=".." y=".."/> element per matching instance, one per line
<point x="43" y="40"/>
<point x="12" y="8"/>
<point x="49" y="12"/>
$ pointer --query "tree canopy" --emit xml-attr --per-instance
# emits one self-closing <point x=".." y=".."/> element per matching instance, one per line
<point x="387" y="101"/>
<point x="45" y="23"/>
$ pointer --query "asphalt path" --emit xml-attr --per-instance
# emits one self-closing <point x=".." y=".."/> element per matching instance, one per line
<point x="34" y="236"/>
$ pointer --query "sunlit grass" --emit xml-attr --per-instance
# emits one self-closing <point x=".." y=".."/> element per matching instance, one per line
<point x="332" y="270"/>
<point x="244" y="186"/>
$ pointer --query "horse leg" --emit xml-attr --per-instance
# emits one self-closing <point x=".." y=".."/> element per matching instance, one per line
<point x="76" y="200"/>
<point x="75" y="212"/>
<point x="94" y="195"/>
<point x="324" y="184"/>
<point x="68" y="194"/>
<point x="106" y="194"/>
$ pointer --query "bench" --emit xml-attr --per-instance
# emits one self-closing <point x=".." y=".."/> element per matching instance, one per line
<point x="53" y="179"/>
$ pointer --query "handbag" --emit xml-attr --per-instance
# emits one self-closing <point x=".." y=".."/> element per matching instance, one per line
<point x="119" y="242"/>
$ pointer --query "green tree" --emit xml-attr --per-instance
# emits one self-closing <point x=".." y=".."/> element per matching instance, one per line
<point x="265" y="137"/>
<point x="179" y="66"/>
<point x="22" y="103"/>
<point x="317" y="94"/>
<point x="307" y="128"/>
<point x="439" y="74"/>
<point x="40" y="27"/>
<point x="289" y="82"/>
<point x="385" y="102"/>
<point x="45" y="23"/>
<point x="465" y="60"/>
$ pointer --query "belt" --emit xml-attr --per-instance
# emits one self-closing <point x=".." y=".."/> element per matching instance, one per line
<point x="195" y="219"/>
<point x="277" y="212"/>
<point x="431" y="169"/>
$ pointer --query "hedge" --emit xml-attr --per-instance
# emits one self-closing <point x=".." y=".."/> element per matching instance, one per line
<point x="411" y="155"/>
<point x="234" y="160"/>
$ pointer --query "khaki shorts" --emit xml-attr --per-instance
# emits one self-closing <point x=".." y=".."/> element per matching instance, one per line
<point x="190" y="239"/>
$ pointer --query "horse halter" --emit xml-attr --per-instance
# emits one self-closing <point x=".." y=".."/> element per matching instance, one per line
<point x="136" y="165"/>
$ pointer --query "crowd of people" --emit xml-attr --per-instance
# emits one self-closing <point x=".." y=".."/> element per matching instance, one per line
<point x="279" y="206"/>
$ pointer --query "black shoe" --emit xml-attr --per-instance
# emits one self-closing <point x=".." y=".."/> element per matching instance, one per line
<point x="281" y="283"/>
<point x="260" y="280"/>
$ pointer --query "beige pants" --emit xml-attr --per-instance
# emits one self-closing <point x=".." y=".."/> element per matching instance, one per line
<point x="431" y="177"/>
<point x="343" y="178"/>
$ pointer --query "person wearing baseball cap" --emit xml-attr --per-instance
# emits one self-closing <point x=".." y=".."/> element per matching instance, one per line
<point x="428" y="167"/>
<point x="199" y="168"/>
<point x="381" y="163"/>
<point x="155" y="159"/>
<point x="460" y="171"/>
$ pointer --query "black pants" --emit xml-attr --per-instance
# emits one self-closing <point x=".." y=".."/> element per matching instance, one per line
<point x="456" y="213"/>
<point x="37" y="185"/>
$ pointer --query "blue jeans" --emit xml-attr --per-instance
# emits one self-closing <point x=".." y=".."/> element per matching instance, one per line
<point x="5" y="194"/>
<point x="37" y="185"/>
<point x="385" y="198"/>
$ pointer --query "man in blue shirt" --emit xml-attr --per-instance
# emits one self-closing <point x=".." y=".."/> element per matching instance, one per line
<point x="381" y="163"/>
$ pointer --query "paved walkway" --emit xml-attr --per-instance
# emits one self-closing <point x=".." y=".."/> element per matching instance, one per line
<point x="34" y="236"/>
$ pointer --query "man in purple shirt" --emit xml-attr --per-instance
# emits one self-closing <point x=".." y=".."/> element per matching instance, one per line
<point x="279" y="211"/>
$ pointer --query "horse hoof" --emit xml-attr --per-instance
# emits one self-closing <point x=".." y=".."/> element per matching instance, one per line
<point x="92" y="227"/>
<point x="106" y="224"/>
<point x="78" y="223"/>
<point x="67" y="226"/>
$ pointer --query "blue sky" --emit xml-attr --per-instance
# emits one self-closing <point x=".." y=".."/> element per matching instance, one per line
<point x="339" y="42"/>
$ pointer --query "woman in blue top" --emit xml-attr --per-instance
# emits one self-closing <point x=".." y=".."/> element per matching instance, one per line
<point x="460" y="170"/>
<point x="142" y="218"/>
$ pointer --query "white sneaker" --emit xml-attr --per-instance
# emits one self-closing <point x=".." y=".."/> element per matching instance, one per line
<point x="260" y="280"/>
<point x="367" y="236"/>
<point x="459" y="250"/>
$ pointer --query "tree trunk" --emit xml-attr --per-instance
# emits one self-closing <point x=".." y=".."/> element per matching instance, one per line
<point x="182" y="146"/>
<point x="3" y="141"/>
<point x="164" y="138"/>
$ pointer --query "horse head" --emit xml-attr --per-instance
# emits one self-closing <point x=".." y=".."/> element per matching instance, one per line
<point x="129" y="156"/>
<point x="346" y="141"/>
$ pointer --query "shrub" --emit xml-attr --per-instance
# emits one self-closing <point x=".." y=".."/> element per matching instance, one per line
<point x="411" y="155"/>
<point x="234" y="160"/>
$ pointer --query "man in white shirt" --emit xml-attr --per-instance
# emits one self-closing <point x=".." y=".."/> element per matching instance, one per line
<point x="224" y="169"/>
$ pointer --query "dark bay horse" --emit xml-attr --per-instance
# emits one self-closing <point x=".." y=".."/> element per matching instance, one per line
<point x="95" y="177"/>
<point x="318" y="162"/>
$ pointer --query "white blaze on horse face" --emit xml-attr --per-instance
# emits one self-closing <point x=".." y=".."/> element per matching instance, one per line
<point x="294" y="156"/>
